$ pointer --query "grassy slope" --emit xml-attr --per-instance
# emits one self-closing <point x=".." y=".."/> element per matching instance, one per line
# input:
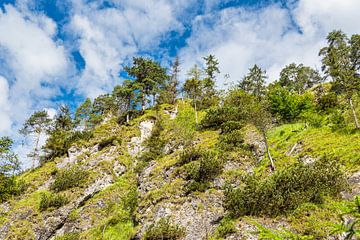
<point x="115" y="220"/>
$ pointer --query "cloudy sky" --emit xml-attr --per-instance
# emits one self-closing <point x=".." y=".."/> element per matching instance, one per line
<point x="61" y="51"/>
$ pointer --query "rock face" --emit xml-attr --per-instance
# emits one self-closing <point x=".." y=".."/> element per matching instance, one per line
<point x="135" y="145"/>
<point x="198" y="215"/>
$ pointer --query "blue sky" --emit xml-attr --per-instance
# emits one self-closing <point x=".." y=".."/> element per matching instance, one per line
<point x="62" y="51"/>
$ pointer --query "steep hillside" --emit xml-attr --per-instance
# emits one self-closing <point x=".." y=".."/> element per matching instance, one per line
<point x="161" y="177"/>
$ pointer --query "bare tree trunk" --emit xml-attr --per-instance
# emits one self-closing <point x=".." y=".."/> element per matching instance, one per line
<point x="127" y="117"/>
<point x="196" y="114"/>
<point x="357" y="126"/>
<point x="143" y="101"/>
<point x="272" y="165"/>
<point x="36" y="151"/>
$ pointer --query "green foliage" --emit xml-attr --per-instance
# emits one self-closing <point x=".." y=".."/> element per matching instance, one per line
<point x="68" y="178"/>
<point x="337" y="121"/>
<point x="298" y="78"/>
<point x="286" y="189"/>
<point x="254" y="82"/>
<point x="350" y="221"/>
<point x="164" y="229"/>
<point x="112" y="140"/>
<point x="52" y="200"/>
<point x="231" y="140"/>
<point x="69" y="236"/>
<point x="200" y="168"/>
<point x="155" y="143"/>
<point x="10" y="186"/>
<point x="225" y="228"/>
<point x="313" y="119"/>
<point x="149" y="76"/>
<point x="265" y="233"/>
<point x="60" y="141"/>
<point x="327" y="102"/>
<point x="288" y="105"/>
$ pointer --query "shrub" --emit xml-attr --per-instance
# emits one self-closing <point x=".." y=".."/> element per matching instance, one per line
<point x="225" y="228"/>
<point x="285" y="190"/>
<point x="231" y="140"/>
<point x="60" y="141"/>
<point x="155" y="143"/>
<point x="69" y="236"/>
<point x="52" y="200"/>
<point x="313" y="119"/>
<point x="230" y="126"/>
<point x="337" y="121"/>
<point x="108" y="141"/>
<point x="68" y="178"/>
<point x="327" y="102"/>
<point x="165" y="230"/>
<point x="189" y="155"/>
<point x="204" y="169"/>
<point x="10" y="186"/>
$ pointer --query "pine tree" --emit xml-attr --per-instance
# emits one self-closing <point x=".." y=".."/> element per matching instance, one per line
<point x="193" y="87"/>
<point x="38" y="123"/>
<point x="124" y="96"/>
<point x="149" y="76"/>
<point x="340" y="61"/>
<point x="170" y="89"/>
<point x="254" y="82"/>
<point x="83" y="113"/>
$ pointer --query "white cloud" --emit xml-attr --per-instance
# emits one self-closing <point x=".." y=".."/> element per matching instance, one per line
<point x="5" y="122"/>
<point x="107" y="37"/>
<point x="36" y="63"/>
<point x="241" y="37"/>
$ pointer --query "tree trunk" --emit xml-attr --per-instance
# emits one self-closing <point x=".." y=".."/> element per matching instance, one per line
<point x="127" y="117"/>
<point x="143" y="101"/>
<point x="36" y="152"/>
<point x="196" y="115"/>
<point x="272" y="165"/>
<point x="357" y="126"/>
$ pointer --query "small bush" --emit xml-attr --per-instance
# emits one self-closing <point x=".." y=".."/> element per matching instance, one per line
<point x="337" y="121"/>
<point x="52" y="200"/>
<point x="69" y="236"/>
<point x="231" y="140"/>
<point x="313" y="119"/>
<point x="205" y="168"/>
<point x="165" y="230"/>
<point x="230" y="126"/>
<point x="155" y="143"/>
<point x="285" y="190"/>
<point x="68" y="178"/>
<point x="107" y="142"/>
<point x="10" y="186"/>
<point x="225" y="228"/>
<point x="189" y="155"/>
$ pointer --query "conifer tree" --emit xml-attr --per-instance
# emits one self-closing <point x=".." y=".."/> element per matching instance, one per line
<point x="340" y="61"/>
<point x="38" y="123"/>
<point x="149" y="76"/>
<point x="254" y="82"/>
<point x="193" y="87"/>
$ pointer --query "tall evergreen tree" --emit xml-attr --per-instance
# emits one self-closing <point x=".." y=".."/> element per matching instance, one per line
<point x="9" y="161"/>
<point x="170" y="89"/>
<point x="124" y="95"/>
<point x="211" y="69"/>
<point x="254" y="82"/>
<point x="83" y="113"/>
<point x="340" y="61"/>
<point x="149" y="76"/>
<point x="193" y="87"/>
<point x="38" y="123"/>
